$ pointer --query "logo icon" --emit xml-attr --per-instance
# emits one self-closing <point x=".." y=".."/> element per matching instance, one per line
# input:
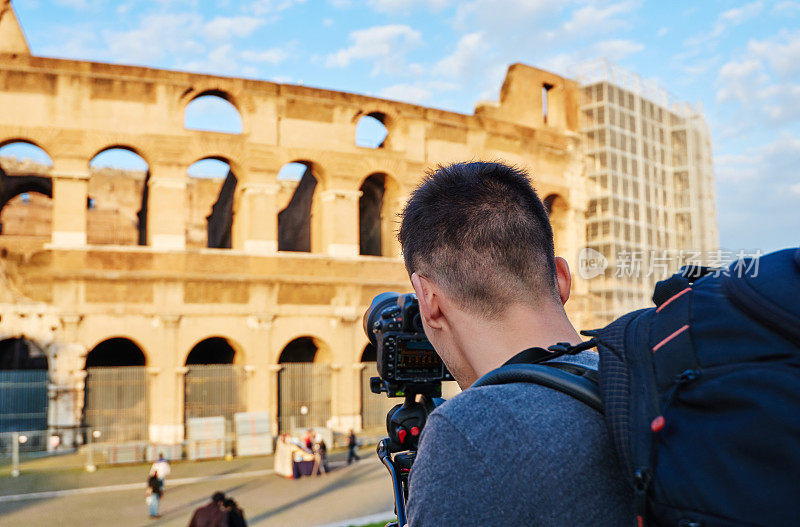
<point x="591" y="263"/>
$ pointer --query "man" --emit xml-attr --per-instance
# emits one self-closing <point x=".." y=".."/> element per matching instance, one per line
<point x="211" y="514"/>
<point x="160" y="468"/>
<point x="352" y="447"/>
<point x="478" y="246"/>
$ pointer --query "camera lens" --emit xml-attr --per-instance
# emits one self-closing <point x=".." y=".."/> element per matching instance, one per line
<point x="379" y="303"/>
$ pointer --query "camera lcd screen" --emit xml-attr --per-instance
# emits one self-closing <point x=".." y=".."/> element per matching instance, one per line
<point x="416" y="354"/>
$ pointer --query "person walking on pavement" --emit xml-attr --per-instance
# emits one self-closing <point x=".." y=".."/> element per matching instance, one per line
<point x="160" y="469"/>
<point x="352" y="445"/>
<point x="211" y="514"/>
<point x="153" y="495"/>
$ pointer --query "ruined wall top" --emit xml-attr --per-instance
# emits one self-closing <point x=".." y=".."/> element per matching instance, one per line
<point x="12" y="39"/>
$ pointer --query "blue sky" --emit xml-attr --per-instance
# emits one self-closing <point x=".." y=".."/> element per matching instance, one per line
<point x="740" y="60"/>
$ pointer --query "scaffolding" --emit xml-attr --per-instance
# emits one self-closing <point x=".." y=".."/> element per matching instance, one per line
<point x="651" y="186"/>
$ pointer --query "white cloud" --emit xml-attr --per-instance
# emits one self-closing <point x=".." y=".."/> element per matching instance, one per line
<point x="407" y="93"/>
<point x="274" y="55"/>
<point x="272" y="7"/>
<point x="795" y="189"/>
<point x="404" y="7"/>
<point x="736" y="80"/>
<point x="758" y="195"/>
<point x="461" y="63"/>
<point x="787" y="7"/>
<point x="617" y="49"/>
<point x="156" y="36"/>
<point x="418" y="92"/>
<point x="782" y="53"/>
<point x="593" y="19"/>
<point x="224" y="28"/>
<point x="661" y="32"/>
<point x="221" y="60"/>
<point x="385" y="46"/>
<point x="725" y="20"/>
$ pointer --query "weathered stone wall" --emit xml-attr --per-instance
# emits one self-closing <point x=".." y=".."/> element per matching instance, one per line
<point x="90" y="281"/>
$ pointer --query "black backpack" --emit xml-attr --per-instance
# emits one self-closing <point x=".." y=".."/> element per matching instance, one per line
<point x="701" y="394"/>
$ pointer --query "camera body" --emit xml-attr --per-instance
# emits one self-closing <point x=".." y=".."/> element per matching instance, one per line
<point x="406" y="360"/>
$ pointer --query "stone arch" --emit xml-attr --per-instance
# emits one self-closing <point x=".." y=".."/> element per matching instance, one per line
<point x="214" y="350"/>
<point x="115" y="352"/>
<point x="212" y="227"/>
<point x="218" y="104"/>
<point x="299" y="221"/>
<point x="24" y="377"/>
<point x="377" y="215"/>
<point x="214" y="383"/>
<point x="370" y="353"/>
<point x="123" y="222"/>
<point x="26" y="191"/>
<point x="116" y="397"/>
<point x="305" y="348"/>
<point x="304" y="384"/>
<point x="372" y="130"/>
<point x="557" y="209"/>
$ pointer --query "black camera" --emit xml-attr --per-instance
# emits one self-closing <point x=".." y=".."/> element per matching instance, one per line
<point x="408" y="367"/>
<point x="406" y="359"/>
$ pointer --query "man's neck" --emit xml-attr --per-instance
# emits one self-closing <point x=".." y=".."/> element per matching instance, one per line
<point x="488" y="344"/>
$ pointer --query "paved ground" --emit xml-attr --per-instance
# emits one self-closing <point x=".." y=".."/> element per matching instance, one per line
<point x="115" y="496"/>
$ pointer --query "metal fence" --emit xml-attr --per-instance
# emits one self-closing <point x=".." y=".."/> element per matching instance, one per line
<point x="374" y="407"/>
<point x="23" y="400"/>
<point x="214" y="390"/>
<point x="116" y="404"/>
<point x="304" y="395"/>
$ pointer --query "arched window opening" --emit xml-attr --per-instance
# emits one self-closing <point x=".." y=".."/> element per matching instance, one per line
<point x="212" y="113"/>
<point x="26" y="208"/>
<point x="370" y="353"/>
<point x="117" y="198"/>
<point x="304" y="385"/>
<point x="114" y="353"/>
<point x="23" y="389"/>
<point x="558" y="209"/>
<point x="215" y="350"/>
<point x="209" y="210"/>
<point x="213" y="387"/>
<point x="294" y="221"/>
<point x="116" y="397"/>
<point x="371" y="131"/>
<point x="370" y="208"/>
<point x="302" y="349"/>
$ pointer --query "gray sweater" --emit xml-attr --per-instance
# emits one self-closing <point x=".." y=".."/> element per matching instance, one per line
<point x="517" y="454"/>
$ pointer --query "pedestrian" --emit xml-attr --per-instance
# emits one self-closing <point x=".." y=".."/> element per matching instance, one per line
<point x="352" y="445"/>
<point x="211" y="514"/>
<point x="161" y="469"/>
<point x="309" y="440"/>
<point x="234" y="512"/>
<point x="321" y="450"/>
<point x="153" y="495"/>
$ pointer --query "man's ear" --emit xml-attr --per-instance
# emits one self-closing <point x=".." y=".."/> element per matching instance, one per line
<point x="564" y="279"/>
<point x="429" y="301"/>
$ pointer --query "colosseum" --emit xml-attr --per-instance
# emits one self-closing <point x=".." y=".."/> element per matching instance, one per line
<point x="138" y="300"/>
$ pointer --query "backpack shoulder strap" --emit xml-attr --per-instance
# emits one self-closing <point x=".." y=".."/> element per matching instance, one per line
<point x="550" y="376"/>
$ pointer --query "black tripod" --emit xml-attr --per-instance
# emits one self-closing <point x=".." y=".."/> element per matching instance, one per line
<point x="404" y="425"/>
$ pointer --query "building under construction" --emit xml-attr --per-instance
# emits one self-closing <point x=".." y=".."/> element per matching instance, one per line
<point x="134" y="301"/>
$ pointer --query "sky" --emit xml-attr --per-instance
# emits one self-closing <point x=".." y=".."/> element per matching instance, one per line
<point x="739" y="61"/>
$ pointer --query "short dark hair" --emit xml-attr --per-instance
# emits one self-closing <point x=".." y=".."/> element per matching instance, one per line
<point x="218" y="497"/>
<point x="480" y="231"/>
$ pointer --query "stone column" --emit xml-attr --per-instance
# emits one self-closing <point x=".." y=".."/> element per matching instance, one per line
<point x="70" y="197"/>
<point x="255" y="224"/>
<point x="166" y="207"/>
<point x="272" y="396"/>
<point x="165" y="379"/>
<point x="339" y="222"/>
